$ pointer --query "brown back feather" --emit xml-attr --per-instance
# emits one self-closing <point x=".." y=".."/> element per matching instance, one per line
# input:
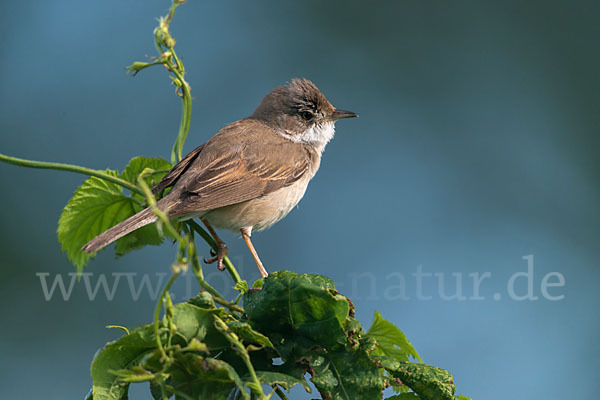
<point x="241" y="162"/>
<point x="171" y="178"/>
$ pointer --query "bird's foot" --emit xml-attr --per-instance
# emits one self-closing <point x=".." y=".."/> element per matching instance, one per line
<point x="218" y="256"/>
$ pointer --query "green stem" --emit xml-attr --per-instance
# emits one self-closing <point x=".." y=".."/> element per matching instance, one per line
<point x="255" y="385"/>
<point x="174" y="5"/>
<point x="231" y="306"/>
<point x="175" y="66"/>
<point x="162" y="216"/>
<point x="197" y="270"/>
<point x="196" y="267"/>
<point x="165" y="46"/>
<point x="179" y="71"/>
<point x="157" y="315"/>
<point x="71" y="168"/>
<point x="208" y="239"/>
<point x="185" y="121"/>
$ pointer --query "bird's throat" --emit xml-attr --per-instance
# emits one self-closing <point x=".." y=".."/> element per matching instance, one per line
<point x="316" y="136"/>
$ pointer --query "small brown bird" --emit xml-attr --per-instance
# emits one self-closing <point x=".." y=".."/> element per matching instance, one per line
<point x="250" y="174"/>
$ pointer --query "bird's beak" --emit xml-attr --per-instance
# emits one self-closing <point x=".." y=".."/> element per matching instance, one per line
<point x="339" y="114"/>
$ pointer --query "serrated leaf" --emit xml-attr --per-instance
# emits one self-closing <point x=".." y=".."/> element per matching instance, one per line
<point x="119" y="355"/>
<point x="391" y="341"/>
<point x="98" y="205"/>
<point x="95" y="206"/>
<point x="283" y="380"/>
<point x="430" y="383"/>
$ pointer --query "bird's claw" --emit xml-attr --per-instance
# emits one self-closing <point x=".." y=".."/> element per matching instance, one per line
<point x="218" y="256"/>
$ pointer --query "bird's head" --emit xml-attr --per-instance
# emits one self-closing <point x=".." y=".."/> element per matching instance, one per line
<point x="301" y="113"/>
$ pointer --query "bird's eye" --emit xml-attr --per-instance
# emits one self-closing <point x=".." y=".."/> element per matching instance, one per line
<point x="306" y="115"/>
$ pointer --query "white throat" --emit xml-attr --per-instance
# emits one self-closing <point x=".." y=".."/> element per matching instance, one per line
<point x="317" y="136"/>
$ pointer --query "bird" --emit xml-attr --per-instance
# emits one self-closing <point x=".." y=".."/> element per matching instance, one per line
<point x="250" y="174"/>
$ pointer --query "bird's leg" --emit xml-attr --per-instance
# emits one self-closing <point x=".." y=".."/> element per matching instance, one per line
<point x="222" y="247"/>
<point x="246" y="232"/>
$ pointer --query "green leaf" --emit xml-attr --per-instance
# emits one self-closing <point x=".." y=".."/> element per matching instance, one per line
<point x="308" y="305"/>
<point x="204" y="378"/>
<point x="203" y="300"/>
<point x="138" y="164"/>
<point x="98" y="205"/>
<point x="347" y="375"/>
<point x="258" y="284"/>
<point x="193" y="322"/>
<point x="241" y="286"/>
<point x="196" y="346"/>
<point x="95" y="206"/>
<point x="391" y="341"/>
<point x="461" y="397"/>
<point x="308" y="321"/>
<point x="146" y="235"/>
<point x="249" y="335"/>
<point x="119" y="355"/>
<point x="283" y="380"/>
<point x="430" y="383"/>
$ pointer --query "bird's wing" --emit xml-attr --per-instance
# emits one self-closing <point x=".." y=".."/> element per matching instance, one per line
<point x="171" y="178"/>
<point x="241" y="165"/>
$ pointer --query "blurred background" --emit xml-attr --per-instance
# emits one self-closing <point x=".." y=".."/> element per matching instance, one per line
<point x="477" y="145"/>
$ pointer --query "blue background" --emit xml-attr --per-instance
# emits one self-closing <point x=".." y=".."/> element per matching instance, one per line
<point x="477" y="144"/>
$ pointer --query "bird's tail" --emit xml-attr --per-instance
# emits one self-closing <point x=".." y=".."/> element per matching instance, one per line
<point x="132" y="223"/>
